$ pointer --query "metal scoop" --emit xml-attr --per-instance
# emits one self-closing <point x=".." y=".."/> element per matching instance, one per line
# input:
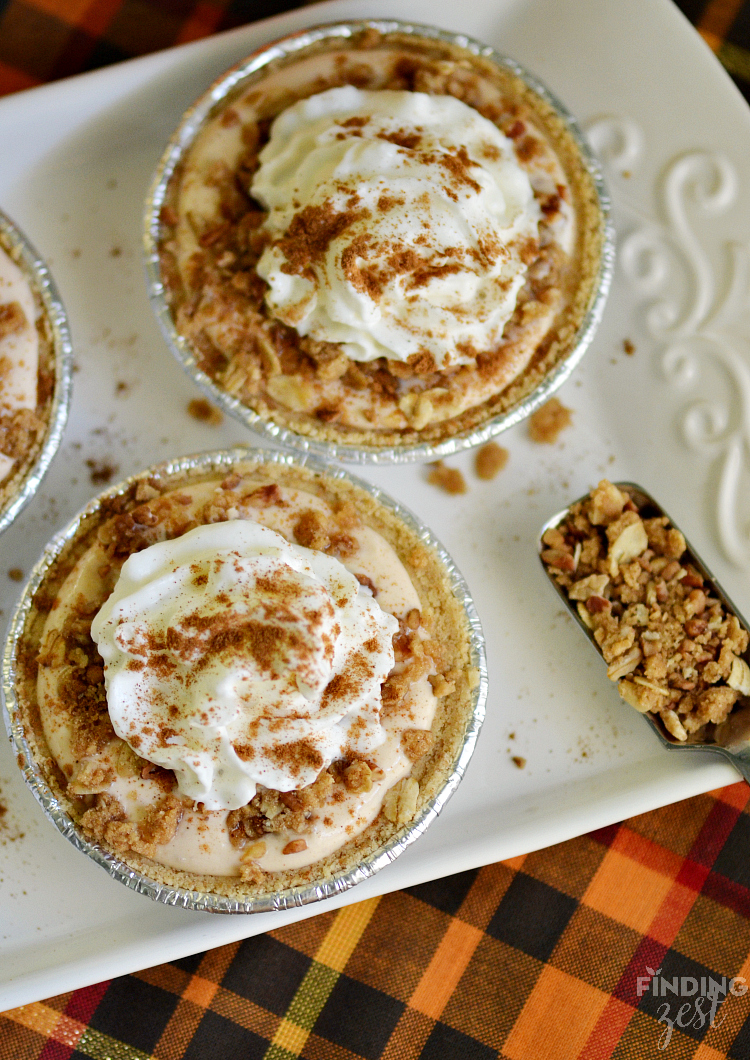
<point x="730" y="738"/>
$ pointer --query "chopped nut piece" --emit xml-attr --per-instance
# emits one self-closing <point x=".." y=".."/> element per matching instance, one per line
<point x="556" y="558"/>
<point x="596" y="604"/>
<point x="674" y="725"/>
<point x="636" y="695"/>
<point x="254" y="851"/>
<point x="419" y="409"/>
<point x="607" y="503"/>
<point x="594" y="585"/>
<point x="401" y="800"/>
<point x="672" y="647"/>
<point x="648" y="684"/>
<point x="739" y="676"/>
<point x="440" y="686"/>
<point x="295" y="847"/>
<point x="552" y="538"/>
<point x="447" y="478"/>
<point x="625" y="664"/>
<point x="490" y="460"/>
<point x="695" y="603"/>
<point x="548" y="421"/>
<point x="671" y="570"/>
<point x="630" y="541"/>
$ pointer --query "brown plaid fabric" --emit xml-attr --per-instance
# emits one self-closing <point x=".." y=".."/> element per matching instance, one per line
<point x="547" y="957"/>
<point x="617" y="945"/>
<point x="42" y="40"/>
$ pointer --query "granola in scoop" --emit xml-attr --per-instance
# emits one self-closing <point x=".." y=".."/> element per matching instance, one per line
<point x="669" y="642"/>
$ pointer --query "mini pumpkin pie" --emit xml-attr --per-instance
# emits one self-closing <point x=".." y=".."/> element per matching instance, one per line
<point x="248" y="679"/>
<point x="380" y="239"/>
<point x="29" y="337"/>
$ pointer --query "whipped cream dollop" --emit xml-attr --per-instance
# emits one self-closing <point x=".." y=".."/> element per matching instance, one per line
<point x="401" y="224"/>
<point x="235" y="658"/>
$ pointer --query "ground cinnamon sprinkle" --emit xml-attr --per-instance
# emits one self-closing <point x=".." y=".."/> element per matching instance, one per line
<point x="447" y="478"/>
<point x="310" y="233"/>
<point x="490" y="460"/>
<point x="205" y="412"/>
<point x="101" y="471"/>
<point x="548" y="421"/>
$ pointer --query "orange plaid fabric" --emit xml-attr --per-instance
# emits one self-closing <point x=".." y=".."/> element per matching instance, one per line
<point x="42" y="40"/>
<point x="600" y="947"/>
<point x="619" y="944"/>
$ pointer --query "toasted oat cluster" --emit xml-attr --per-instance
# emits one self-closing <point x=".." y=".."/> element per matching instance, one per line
<point x="549" y="421"/>
<point x="672" y="646"/>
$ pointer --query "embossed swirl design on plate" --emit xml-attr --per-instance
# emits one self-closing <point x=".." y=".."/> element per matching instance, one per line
<point x="693" y="307"/>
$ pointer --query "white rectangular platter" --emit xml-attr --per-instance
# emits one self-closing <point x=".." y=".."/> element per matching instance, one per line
<point x="76" y="161"/>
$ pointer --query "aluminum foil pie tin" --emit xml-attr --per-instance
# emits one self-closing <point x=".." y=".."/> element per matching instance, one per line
<point x="228" y="86"/>
<point x="220" y="462"/>
<point x="15" y="243"/>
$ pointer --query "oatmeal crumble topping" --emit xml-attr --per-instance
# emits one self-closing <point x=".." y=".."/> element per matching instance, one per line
<point x="447" y="478"/>
<point x="670" y="644"/>
<point x="490" y="461"/>
<point x="549" y="421"/>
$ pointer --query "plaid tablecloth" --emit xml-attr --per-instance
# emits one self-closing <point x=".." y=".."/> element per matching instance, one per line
<point x="626" y="941"/>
